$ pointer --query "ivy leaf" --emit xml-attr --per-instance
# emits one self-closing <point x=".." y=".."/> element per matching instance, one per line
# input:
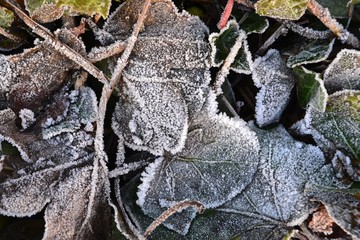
<point x="275" y="81"/>
<point x="56" y="173"/>
<point x="219" y="160"/>
<point x="339" y="124"/>
<point x="272" y="202"/>
<point x="337" y="8"/>
<point x="89" y="7"/>
<point x="343" y="71"/>
<point x="283" y="9"/>
<point x="6" y="18"/>
<point x="221" y="44"/>
<point x="314" y="52"/>
<point x="43" y="11"/>
<point x="254" y="24"/>
<point x="310" y="89"/>
<point x="166" y="80"/>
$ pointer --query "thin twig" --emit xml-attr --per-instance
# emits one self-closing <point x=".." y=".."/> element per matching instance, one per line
<point x="308" y="32"/>
<point x="59" y="46"/>
<point x="178" y="207"/>
<point x="225" y="69"/>
<point x="97" y="54"/>
<point x="324" y="16"/>
<point x="9" y="35"/>
<point x="282" y="30"/>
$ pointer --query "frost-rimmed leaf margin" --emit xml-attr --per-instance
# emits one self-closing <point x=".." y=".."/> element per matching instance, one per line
<point x="314" y="52"/>
<point x="310" y="89"/>
<point x="222" y="44"/>
<point x="254" y="23"/>
<point x="219" y="146"/>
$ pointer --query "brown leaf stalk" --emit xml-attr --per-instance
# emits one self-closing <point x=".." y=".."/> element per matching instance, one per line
<point x="178" y="207"/>
<point x="324" y="16"/>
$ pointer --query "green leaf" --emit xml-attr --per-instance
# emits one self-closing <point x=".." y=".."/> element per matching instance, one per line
<point x="283" y="9"/>
<point x="343" y="72"/>
<point x="314" y="52"/>
<point x="337" y="8"/>
<point x="222" y="43"/>
<point x="310" y="89"/>
<point x="6" y="18"/>
<point x="89" y="7"/>
<point x="340" y="123"/>
<point x="254" y="24"/>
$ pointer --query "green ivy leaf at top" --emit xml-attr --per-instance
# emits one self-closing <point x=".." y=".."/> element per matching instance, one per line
<point x="316" y="51"/>
<point x="283" y="9"/>
<point x="6" y="18"/>
<point x="222" y="43"/>
<point x="254" y="24"/>
<point x="89" y="7"/>
<point x="337" y="8"/>
<point x="310" y="89"/>
<point x="340" y="123"/>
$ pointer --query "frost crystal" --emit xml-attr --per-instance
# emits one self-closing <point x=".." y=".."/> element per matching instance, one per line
<point x="167" y="73"/>
<point x="27" y="118"/>
<point x="218" y="161"/>
<point x="275" y="81"/>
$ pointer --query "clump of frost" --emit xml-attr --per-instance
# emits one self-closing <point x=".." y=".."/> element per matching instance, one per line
<point x="27" y="118"/>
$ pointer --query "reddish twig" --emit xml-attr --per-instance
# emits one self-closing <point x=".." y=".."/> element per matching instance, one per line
<point x="226" y="14"/>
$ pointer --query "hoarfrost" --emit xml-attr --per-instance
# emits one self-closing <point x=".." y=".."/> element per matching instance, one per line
<point x="27" y="118"/>
<point x="343" y="72"/>
<point x="165" y="80"/>
<point x="220" y="146"/>
<point x="275" y="81"/>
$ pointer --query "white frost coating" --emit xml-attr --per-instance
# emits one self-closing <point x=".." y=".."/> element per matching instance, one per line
<point x="27" y="118"/>
<point x="147" y="176"/>
<point x="275" y="81"/>
<point x="23" y="154"/>
<point x="343" y="72"/>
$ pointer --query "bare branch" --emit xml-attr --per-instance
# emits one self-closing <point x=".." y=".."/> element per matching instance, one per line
<point x="9" y="35"/>
<point x="324" y="16"/>
<point x="178" y="207"/>
<point x="308" y="32"/>
<point x="99" y="53"/>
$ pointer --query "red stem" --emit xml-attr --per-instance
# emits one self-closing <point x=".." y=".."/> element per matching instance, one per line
<point x="226" y="14"/>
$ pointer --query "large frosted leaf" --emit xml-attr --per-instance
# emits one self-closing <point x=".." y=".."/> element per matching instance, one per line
<point x="219" y="160"/>
<point x="275" y="81"/>
<point x="223" y="42"/>
<point x="166" y="79"/>
<point x="339" y="124"/>
<point x="314" y="52"/>
<point x="283" y="9"/>
<point x="272" y="203"/>
<point x="343" y="72"/>
<point x="310" y="89"/>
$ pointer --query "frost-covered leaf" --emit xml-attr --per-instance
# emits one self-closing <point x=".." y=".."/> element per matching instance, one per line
<point x="271" y="203"/>
<point x="283" y="9"/>
<point x="275" y="81"/>
<point x="340" y="123"/>
<point x="219" y="160"/>
<point x="166" y="78"/>
<point x="89" y="7"/>
<point x="314" y="52"/>
<point x="223" y="42"/>
<point x="254" y="24"/>
<point x="310" y="89"/>
<point x="337" y="8"/>
<point x="43" y="11"/>
<point x="56" y="174"/>
<point x="6" y="18"/>
<point x="38" y="72"/>
<point x="343" y="72"/>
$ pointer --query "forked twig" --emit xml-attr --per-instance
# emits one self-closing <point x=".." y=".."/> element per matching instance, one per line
<point x="178" y="207"/>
